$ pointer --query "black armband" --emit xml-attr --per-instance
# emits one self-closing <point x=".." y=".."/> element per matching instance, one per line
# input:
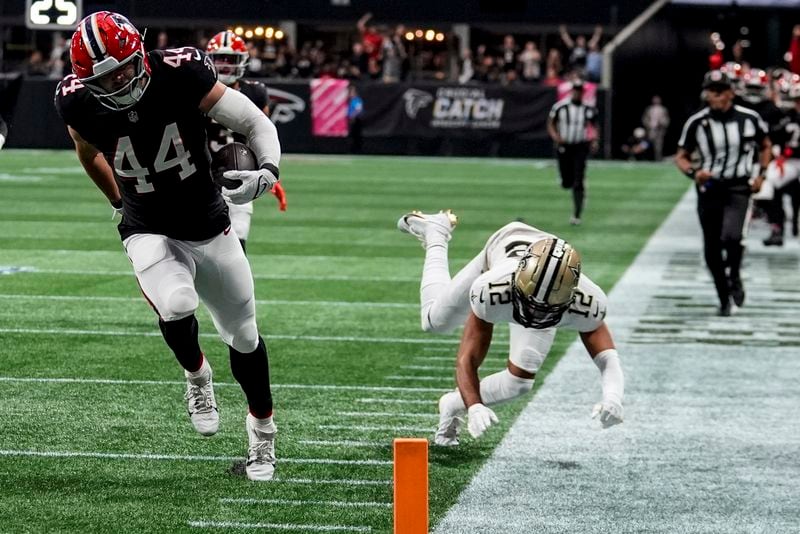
<point x="690" y="173"/>
<point x="117" y="205"/>
<point x="273" y="169"/>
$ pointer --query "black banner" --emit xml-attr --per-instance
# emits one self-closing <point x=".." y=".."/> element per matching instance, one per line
<point x="466" y="111"/>
<point x="290" y="110"/>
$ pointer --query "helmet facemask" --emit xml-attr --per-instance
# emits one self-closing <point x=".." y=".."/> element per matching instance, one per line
<point x="230" y="66"/>
<point x="544" y="283"/>
<point x="127" y="95"/>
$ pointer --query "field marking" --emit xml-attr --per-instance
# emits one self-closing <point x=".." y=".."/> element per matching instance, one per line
<point x="33" y="270"/>
<point x="344" y="443"/>
<point x="421" y="377"/>
<point x="277" y="526"/>
<point x="428" y="367"/>
<point x="113" y="381"/>
<point x="450" y="359"/>
<point x="336" y="303"/>
<point x="396" y="401"/>
<point x="288" y="502"/>
<point x="178" y="457"/>
<point x="363" y="428"/>
<point x="343" y="481"/>
<point x="348" y="339"/>
<point x="387" y="414"/>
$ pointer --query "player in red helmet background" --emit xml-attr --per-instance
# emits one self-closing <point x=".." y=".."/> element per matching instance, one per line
<point x="229" y="54"/>
<point x="138" y="122"/>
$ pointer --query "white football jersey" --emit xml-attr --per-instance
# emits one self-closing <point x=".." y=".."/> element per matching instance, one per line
<point x="490" y="293"/>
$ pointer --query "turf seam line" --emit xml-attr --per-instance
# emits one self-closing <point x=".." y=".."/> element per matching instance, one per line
<point x="289" y="502"/>
<point x="277" y="526"/>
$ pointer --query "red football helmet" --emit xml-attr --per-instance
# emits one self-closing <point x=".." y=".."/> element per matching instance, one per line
<point x="108" y="57"/>
<point x="229" y="53"/>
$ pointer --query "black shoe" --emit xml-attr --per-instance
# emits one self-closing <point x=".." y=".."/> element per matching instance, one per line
<point x="795" y="227"/>
<point x="725" y="310"/>
<point x="737" y="292"/>
<point x="775" y="240"/>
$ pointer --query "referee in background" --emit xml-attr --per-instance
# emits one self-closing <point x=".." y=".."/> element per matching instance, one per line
<point x="568" y="127"/>
<point x="728" y="141"/>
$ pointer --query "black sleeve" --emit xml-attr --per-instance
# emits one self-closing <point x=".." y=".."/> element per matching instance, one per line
<point x="189" y="70"/>
<point x="71" y="104"/>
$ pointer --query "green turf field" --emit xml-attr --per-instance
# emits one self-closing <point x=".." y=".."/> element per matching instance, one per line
<point x="94" y="434"/>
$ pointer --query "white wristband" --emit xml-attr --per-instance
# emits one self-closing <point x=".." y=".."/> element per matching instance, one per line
<point x="612" y="378"/>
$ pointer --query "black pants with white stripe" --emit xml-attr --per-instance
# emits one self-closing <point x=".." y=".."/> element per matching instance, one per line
<point x="572" y="168"/>
<point x="722" y="209"/>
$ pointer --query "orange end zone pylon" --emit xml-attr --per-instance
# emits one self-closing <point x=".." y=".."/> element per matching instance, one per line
<point x="410" y="486"/>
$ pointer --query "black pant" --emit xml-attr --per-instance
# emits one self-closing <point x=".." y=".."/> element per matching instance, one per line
<point x="722" y="209"/>
<point x="572" y="168"/>
<point x="774" y="209"/>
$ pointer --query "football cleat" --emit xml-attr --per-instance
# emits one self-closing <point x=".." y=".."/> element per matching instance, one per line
<point x="419" y="224"/>
<point x="575" y="221"/>
<point x="449" y="426"/>
<point x="737" y="292"/>
<point x="260" y="464"/>
<point x="202" y="407"/>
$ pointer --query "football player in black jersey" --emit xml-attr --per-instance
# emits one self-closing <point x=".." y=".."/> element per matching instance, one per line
<point x="783" y="172"/>
<point x="229" y="54"/>
<point x="138" y="122"/>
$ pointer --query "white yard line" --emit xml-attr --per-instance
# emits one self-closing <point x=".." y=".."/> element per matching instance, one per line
<point x="387" y="414"/>
<point x="112" y="381"/>
<point x="396" y="401"/>
<point x="287" y="502"/>
<point x="177" y="457"/>
<point x="347" y="339"/>
<point x="344" y="443"/>
<point x="342" y="481"/>
<point x="365" y="428"/>
<point x="277" y="526"/>
<point x="332" y="303"/>
<point x="446" y="367"/>
<point x="425" y="378"/>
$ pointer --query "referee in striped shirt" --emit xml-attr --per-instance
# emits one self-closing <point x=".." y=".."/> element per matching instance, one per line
<point x="728" y="141"/>
<point x="568" y="127"/>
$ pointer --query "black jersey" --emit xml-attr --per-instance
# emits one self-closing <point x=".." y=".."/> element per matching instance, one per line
<point x="788" y="136"/>
<point x="157" y="148"/>
<point x="218" y="135"/>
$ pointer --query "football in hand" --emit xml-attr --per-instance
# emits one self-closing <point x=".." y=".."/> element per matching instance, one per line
<point x="232" y="157"/>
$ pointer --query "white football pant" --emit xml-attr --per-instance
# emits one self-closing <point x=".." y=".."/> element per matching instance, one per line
<point x="240" y="215"/>
<point x="776" y="178"/>
<point x="172" y="274"/>
<point x="444" y="305"/>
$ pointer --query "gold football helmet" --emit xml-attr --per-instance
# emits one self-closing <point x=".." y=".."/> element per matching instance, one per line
<point x="545" y="282"/>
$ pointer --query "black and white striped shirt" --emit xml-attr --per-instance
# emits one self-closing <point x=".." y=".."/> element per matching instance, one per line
<point x="571" y="120"/>
<point x="727" y="144"/>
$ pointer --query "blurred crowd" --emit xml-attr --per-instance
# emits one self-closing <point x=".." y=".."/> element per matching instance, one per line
<point x="392" y="53"/>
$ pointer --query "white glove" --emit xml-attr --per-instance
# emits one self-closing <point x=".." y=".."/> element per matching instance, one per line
<point x="254" y="184"/>
<point x="480" y="419"/>
<point x="116" y="208"/>
<point x="609" y="413"/>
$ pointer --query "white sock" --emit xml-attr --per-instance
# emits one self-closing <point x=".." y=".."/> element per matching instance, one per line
<point x="2" y="140"/>
<point x="435" y="279"/>
<point x="201" y="376"/>
<point x="261" y="425"/>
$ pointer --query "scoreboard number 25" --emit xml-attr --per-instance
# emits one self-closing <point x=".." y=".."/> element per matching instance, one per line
<point x="53" y="14"/>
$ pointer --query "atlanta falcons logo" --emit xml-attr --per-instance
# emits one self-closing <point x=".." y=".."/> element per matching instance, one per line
<point x="284" y="106"/>
<point x="415" y="101"/>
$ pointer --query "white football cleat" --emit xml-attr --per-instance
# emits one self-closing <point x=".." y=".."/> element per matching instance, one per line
<point x="202" y="406"/>
<point x="260" y="464"/>
<point x="419" y="224"/>
<point x="449" y="426"/>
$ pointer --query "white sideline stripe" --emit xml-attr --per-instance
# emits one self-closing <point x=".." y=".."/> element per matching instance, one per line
<point x="113" y="381"/>
<point x="380" y="428"/>
<point x="344" y="481"/>
<point x="428" y="367"/>
<point x="80" y="272"/>
<point x="344" y="443"/>
<point x="179" y="457"/>
<point x="287" y="502"/>
<point x="343" y="303"/>
<point x="396" y="401"/>
<point x="387" y="414"/>
<point x="450" y="359"/>
<point x="71" y="331"/>
<point x="278" y="526"/>
<point x="421" y="377"/>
